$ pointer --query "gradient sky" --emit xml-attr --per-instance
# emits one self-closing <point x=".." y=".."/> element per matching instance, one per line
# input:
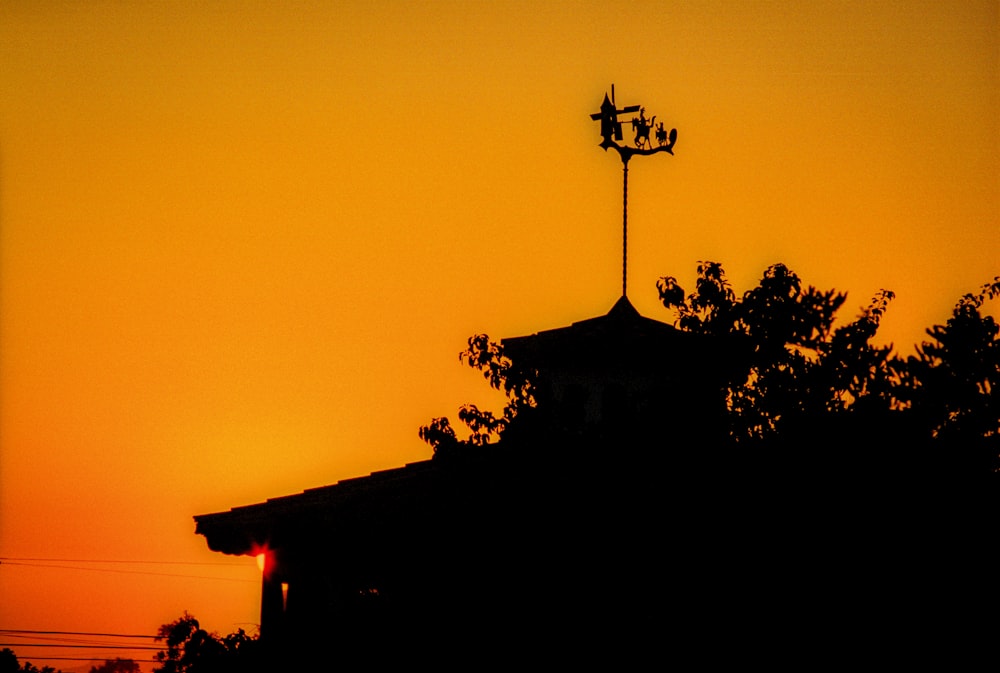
<point x="241" y="244"/>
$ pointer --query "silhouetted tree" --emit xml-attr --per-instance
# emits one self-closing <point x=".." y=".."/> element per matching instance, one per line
<point x="8" y="661"/>
<point x="116" y="665"/>
<point x="484" y="426"/>
<point x="191" y="649"/>
<point x="949" y="386"/>
<point x="958" y="371"/>
<point x="795" y="365"/>
<point x="800" y="381"/>
<point x="807" y="383"/>
<point x="10" y="664"/>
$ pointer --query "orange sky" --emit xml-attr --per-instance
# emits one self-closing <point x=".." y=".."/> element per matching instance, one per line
<point x="241" y="244"/>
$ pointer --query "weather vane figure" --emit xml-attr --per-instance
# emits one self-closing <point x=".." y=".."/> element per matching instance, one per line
<point x="612" y="135"/>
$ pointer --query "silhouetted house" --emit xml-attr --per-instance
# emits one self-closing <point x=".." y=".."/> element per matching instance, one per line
<point x="622" y="372"/>
<point x="570" y="523"/>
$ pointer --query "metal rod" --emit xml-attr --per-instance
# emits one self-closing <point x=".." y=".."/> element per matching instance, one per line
<point x="624" y="227"/>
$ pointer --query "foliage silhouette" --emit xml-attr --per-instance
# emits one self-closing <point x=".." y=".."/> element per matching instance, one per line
<point x="949" y="386"/>
<point x="801" y="379"/>
<point x="8" y="661"/>
<point x="191" y="649"/>
<point x="959" y="370"/>
<point x="10" y="664"/>
<point x="503" y="375"/>
<point x="116" y="665"/>
<point x="796" y="365"/>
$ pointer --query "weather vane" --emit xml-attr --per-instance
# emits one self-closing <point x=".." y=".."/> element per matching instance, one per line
<point x="611" y="132"/>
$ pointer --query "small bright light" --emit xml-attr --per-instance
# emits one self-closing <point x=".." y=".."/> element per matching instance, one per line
<point x="260" y="561"/>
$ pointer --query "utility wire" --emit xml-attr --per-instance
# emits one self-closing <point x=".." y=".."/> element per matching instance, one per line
<point x="99" y="655"/>
<point x="80" y="641"/>
<point x="78" y="633"/>
<point x="84" y="647"/>
<point x="129" y="572"/>
<point x="138" y="661"/>
<point x="84" y="560"/>
<point x="57" y="639"/>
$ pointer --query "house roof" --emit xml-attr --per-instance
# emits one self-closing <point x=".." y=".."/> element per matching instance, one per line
<point x="622" y="339"/>
<point x="243" y="530"/>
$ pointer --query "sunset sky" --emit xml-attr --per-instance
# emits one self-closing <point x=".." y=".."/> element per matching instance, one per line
<point x="241" y="244"/>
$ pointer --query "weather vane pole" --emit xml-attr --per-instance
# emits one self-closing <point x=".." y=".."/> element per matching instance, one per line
<point x="611" y="132"/>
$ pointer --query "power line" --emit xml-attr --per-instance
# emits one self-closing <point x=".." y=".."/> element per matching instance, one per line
<point x="233" y="564"/>
<point x="84" y="647"/>
<point x="59" y="639"/>
<point x="38" y="640"/>
<point x="128" y="572"/>
<point x="101" y="649"/>
<point x="79" y="633"/>
<point x="139" y="661"/>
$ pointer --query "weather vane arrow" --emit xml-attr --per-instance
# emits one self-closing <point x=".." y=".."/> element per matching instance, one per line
<point x="611" y="134"/>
